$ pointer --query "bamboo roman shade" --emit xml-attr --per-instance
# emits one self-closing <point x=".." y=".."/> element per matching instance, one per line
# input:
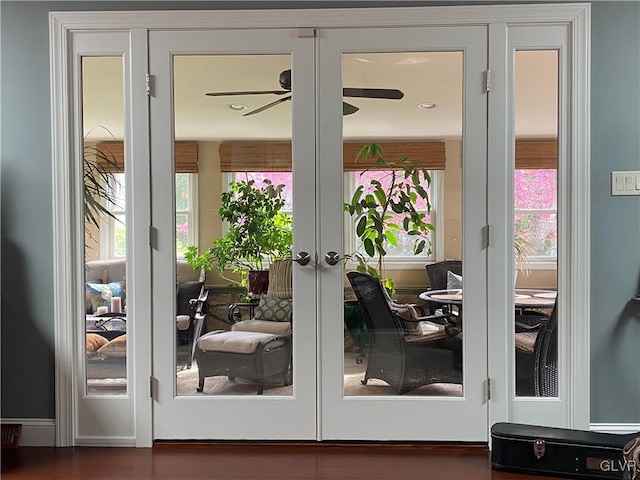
<point x="186" y="156"/>
<point x="276" y="156"/>
<point x="539" y="153"/>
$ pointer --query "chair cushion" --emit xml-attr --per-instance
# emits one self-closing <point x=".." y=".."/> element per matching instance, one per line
<point x="273" y="308"/>
<point x="280" y="278"/>
<point x="428" y="333"/>
<point x="262" y="326"/>
<point x="453" y="281"/>
<point x="183" y="322"/>
<point x="407" y="311"/>
<point x="115" y="348"/>
<point x="525" y="341"/>
<point x="235" y="342"/>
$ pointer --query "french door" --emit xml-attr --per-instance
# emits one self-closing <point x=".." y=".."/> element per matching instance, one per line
<point x="314" y="127"/>
<point x="304" y="139"/>
<point x="229" y="58"/>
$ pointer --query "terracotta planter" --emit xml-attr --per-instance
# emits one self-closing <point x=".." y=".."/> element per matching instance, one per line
<point x="258" y="281"/>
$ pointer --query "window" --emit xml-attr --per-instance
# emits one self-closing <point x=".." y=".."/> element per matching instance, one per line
<point x="536" y="212"/>
<point x="403" y="252"/>
<point x="113" y="230"/>
<point x="186" y="212"/>
<point x="277" y="178"/>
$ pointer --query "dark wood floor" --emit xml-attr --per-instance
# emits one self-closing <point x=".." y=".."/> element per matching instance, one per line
<point x="255" y="462"/>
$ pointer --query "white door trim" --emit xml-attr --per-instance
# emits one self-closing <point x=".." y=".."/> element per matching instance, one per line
<point x="66" y="260"/>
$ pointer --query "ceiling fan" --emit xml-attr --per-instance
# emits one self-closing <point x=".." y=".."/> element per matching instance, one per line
<point x="285" y="83"/>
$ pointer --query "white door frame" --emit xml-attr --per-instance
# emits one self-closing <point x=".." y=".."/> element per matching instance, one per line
<point x="574" y="270"/>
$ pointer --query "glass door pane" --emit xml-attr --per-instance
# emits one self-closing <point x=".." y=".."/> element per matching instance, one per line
<point x="412" y="219"/>
<point x="105" y="209"/>
<point x="230" y="244"/>
<point x="536" y="222"/>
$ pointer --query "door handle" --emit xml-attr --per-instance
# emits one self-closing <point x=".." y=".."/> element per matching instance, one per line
<point x="332" y="258"/>
<point x="302" y="258"/>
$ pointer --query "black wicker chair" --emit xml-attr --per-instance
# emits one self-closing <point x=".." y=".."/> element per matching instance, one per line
<point x="191" y="310"/>
<point x="536" y="343"/>
<point x="437" y="273"/>
<point x="403" y="361"/>
<point x="545" y="369"/>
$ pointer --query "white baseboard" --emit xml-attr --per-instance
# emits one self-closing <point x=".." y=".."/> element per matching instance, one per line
<point x="621" y="428"/>
<point x="36" y="432"/>
<point x="41" y="432"/>
<point x="105" y="442"/>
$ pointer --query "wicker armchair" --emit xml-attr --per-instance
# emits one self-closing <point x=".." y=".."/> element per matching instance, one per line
<point x="545" y="369"/>
<point x="405" y="361"/>
<point x="536" y="342"/>
<point x="437" y="273"/>
<point x="191" y="309"/>
<point x="255" y="349"/>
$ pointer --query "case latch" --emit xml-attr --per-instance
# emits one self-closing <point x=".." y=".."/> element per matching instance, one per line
<point x="539" y="448"/>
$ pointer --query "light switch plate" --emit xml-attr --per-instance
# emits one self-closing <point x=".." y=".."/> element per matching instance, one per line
<point x="625" y="183"/>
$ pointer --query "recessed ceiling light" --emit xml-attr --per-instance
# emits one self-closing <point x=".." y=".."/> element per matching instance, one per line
<point x="427" y="106"/>
<point x="236" y="106"/>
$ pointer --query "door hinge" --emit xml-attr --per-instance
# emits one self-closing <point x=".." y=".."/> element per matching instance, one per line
<point x="487" y="81"/>
<point x="153" y="237"/>
<point x="148" y="85"/>
<point x="485" y="236"/>
<point x="488" y="388"/>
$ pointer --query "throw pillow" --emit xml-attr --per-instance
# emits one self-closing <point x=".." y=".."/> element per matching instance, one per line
<point x="94" y="341"/>
<point x="273" y="308"/>
<point x="408" y="311"/>
<point x="280" y="278"/>
<point x="100" y="294"/>
<point x="115" y="348"/>
<point x="453" y="281"/>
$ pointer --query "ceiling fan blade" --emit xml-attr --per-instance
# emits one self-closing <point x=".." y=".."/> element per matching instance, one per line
<point x="249" y="92"/>
<point x="389" y="93"/>
<point x="348" y="109"/>
<point x="268" y="105"/>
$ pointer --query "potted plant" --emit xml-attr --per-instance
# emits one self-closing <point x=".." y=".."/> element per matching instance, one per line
<point x="258" y="233"/>
<point x="384" y="209"/>
<point x="99" y="197"/>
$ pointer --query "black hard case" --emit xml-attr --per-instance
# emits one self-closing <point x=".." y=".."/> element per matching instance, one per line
<point x="558" y="452"/>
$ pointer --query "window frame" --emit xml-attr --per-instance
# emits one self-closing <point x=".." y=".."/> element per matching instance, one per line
<point x="540" y="262"/>
<point x="108" y="224"/>
<point x="398" y="261"/>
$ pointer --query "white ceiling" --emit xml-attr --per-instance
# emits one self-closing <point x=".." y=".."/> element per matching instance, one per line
<point x="434" y="77"/>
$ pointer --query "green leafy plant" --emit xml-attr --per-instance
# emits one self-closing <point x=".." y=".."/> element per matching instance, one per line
<point x="258" y="231"/>
<point x="383" y="212"/>
<point x="98" y="182"/>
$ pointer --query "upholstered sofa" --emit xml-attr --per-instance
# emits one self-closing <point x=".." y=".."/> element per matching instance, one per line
<point x="106" y="333"/>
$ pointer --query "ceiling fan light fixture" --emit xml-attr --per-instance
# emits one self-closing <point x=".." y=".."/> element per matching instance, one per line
<point x="236" y="107"/>
<point x="427" y="106"/>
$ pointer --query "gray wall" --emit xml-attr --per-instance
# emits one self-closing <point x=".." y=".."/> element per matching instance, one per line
<point x="27" y="290"/>
<point x="615" y="221"/>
